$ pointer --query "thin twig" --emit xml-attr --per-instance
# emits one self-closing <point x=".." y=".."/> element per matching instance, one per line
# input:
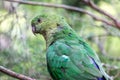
<point x="117" y="75"/>
<point x="105" y="35"/>
<point x="91" y="4"/>
<point x="14" y="74"/>
<point x="66" y="7"/>
<point x="113" y="58"/>
<point x="110" y="66"/>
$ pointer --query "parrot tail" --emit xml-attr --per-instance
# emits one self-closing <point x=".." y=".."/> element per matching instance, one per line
<point x="103" y="78"/>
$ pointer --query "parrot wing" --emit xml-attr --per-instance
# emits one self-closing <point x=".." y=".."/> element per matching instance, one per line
<point x="72" y="59"/>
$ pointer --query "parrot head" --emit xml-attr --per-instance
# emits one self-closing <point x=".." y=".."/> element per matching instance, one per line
<point x="46" y="23"/>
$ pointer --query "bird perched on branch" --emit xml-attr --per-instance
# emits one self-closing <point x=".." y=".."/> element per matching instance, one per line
<point x="69" y="57"/>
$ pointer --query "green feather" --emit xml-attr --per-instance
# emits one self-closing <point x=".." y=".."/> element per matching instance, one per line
<point x="69" y="57"/>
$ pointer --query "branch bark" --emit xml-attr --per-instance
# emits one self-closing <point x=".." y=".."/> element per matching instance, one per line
<point x="76" y="9"/>
<point x="14" y="74"/>
<point x="91" y="4"/>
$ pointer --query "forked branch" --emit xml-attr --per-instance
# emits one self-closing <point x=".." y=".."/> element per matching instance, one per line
<point x="114" y="21"/>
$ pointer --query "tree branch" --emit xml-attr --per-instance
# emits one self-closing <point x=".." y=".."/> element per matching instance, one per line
<point x="68" y="8"/>
<point x="113" y="58"/>
<point x="13" y="74"/>
<point x="110" y="66"/>
<point x="91" y="4"/>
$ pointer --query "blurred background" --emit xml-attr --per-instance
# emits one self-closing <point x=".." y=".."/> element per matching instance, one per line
<point x="25" y="53"/>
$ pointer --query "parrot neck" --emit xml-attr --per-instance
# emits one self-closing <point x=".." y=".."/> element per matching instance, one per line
<point x="60" y="33"/>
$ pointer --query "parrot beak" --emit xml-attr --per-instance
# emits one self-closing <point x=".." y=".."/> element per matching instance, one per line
<point x="33" y="29"/>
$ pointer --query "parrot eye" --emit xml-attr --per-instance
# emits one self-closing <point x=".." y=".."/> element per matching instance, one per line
<point x="58" y="24"/>
<point x="39" y="20"/>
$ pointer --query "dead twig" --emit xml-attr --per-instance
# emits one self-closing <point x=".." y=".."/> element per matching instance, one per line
<point x="14" y="74"/>
<point x="91" y="4"/>
<point x="108" y="22"/>
<point x="110" y="66"/>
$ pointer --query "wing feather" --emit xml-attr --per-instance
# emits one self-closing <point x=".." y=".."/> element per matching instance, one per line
<point x="71" y="60"/>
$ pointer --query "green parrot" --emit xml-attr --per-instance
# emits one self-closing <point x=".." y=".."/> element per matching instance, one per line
<point x="69" y="57"/>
